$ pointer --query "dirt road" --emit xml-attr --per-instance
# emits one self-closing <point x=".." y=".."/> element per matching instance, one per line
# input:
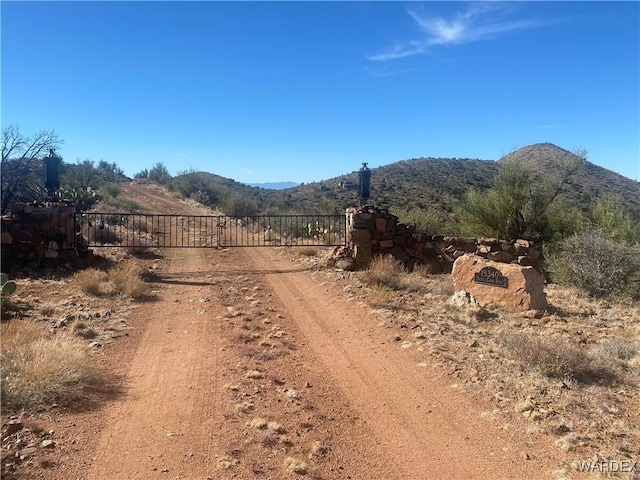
<point x="247" y="365"/>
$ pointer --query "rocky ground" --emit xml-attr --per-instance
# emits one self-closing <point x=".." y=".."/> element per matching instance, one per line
<point x="261" y="363"/>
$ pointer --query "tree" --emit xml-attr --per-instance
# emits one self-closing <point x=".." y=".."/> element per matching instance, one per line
<point x="160" y="174"/>
<point x="22" y="167"/>
<point x="518" y="205"/>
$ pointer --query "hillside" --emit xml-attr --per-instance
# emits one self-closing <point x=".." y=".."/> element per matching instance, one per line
<point x="589" y="182"/>
<point x="433" y="184"/>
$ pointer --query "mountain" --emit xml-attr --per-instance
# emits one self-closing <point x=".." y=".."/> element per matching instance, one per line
<point x="431" y="184"/>
<point x="274" y="185"/>
<point x="587" y="183"/>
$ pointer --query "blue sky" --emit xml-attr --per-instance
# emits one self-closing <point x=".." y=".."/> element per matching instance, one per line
<point x="306" y="91"/>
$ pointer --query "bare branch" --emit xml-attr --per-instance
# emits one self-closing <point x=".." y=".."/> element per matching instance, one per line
<point x="15" y="145"/>
<point x="12" y="141"/>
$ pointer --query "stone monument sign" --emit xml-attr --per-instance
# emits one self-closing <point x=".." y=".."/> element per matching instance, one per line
<point x="513" y="287"/>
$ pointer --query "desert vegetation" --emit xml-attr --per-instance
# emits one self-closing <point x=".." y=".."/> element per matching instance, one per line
<point x="40" y="369"/>
<point x="44" y="363"/>
<point x="570" y="372"/>
<point x="123" y="278"/>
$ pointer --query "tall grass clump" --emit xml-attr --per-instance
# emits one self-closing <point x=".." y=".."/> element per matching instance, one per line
<point x="90" y="281"/>
<point x="37" y="370"/>
<point x="385" y="271"/>
<point x="125" y="278"/>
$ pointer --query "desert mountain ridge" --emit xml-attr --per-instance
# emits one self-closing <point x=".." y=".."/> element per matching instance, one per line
<point x="431" y="183"/>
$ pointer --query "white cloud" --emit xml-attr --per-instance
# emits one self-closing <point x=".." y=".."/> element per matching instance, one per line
<point x="474" y="24"/>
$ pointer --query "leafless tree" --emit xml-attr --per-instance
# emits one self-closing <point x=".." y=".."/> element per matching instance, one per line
<point x="21" y="166"/>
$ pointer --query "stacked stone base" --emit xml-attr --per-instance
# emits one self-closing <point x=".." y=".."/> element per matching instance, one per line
<point x="43" y="231"/>
<point x="372" y="231"/>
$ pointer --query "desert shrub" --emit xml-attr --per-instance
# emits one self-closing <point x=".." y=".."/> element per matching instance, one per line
<point x="609" y="214"/>
<point x="332" y="238"/>
<point x="90" y="281"/>
<point x="380" y="297"/>
<point x="598" y="265"/>
<point x="112" y="189"/>
<point x="238" y="206"/>
<point x="125" y="278"/>
<point x="385" y="271"/>
<point x="83" y="330"/>
<point x="38" y="370"/>
<point x="556" y="357"/>
<point x="425" y="220"/>
<point x="109" y="234"/>
<point x="140" y="224"/>
<point x="19" y="332"/>
<point x="619" y="354"/>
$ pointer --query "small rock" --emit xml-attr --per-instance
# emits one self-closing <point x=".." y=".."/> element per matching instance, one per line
<point x="13" y="426"/>
<point x="48" y="444"/>
<point x="95" y="344"/>
<point x="525" y="456"/>
<point x="27" y="452"/>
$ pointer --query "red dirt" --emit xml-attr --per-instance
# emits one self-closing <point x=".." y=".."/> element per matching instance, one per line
<point x="244" y="363"/>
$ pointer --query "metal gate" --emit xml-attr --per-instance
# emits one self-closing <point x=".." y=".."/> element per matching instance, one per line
<point x="137" y="230"/>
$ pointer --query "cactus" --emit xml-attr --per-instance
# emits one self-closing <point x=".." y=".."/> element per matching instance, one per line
<point x="8" y="286"/>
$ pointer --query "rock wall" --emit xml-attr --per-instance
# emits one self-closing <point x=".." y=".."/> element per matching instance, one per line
<point x="42" y="230"/>
<point x="373" y="231"/>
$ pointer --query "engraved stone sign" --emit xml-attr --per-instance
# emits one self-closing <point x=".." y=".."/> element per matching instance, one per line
<point x="520" y="288"/>
<point x="490" y="276"/>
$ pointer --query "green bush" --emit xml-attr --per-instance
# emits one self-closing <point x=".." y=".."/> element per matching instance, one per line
<point x="237" y="206"/>
<point x="424" y="219"/>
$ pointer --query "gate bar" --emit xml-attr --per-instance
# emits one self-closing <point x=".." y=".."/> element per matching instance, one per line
<point x="108" y="229"/>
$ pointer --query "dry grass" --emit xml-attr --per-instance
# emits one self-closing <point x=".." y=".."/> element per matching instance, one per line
<point x="295" y="465"/>
<point x="39" y="370"/>
<point x="105" y="236"/>
<point x="384" y="271"/>
<point x="307" y="251"/>
<point x="556" y="357"/>
<point x="331" y="238"/>
<point x="387" y="272"/>
<point x="81" y="329"/>
<point x="91" y="281"/>
<point x="125" y="278"/>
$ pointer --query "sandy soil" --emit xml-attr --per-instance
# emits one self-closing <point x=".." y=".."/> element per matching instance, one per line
<point x="245" y="365"/>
